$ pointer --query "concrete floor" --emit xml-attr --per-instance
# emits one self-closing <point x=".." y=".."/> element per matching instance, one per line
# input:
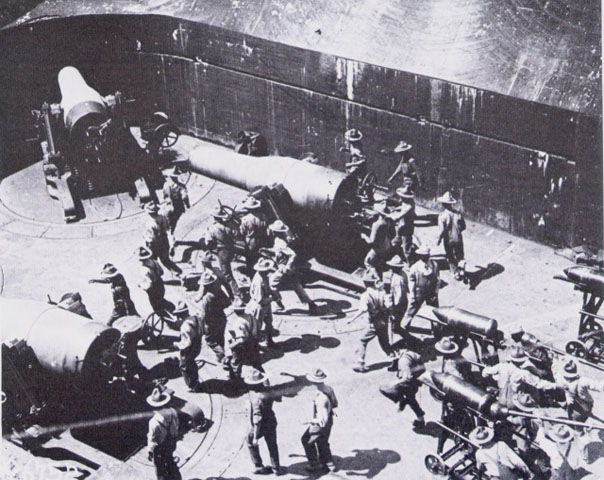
<point x="370" y="439"/>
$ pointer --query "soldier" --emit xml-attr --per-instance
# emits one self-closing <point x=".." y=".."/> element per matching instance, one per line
<point x="579" y="402"/>
<point x="376" y="304"/>
<point x="560" y="445"/>
<point x="152" y="283"/>
<point x="156" y="237"/>
<point x="356" y="162"/>
<point x="242" y="338"/>
<point x="253" y="229"/>
<point x="72" y="302"/>
<point x="512" y="379"/>
<point x="495" y="458"/>
<point x="163" y="435"/>
<point x="451" y="225"/>
<point x="404" y="216"/>
<point x="404" y="389"/>
<point x="263" y="423"/>
<point x="424" y="282"/>
<point x="206" y="258"/>
<point x="379" y="240"/>
<point x="456" y="418"/>
<point x="399" y="288"/>
<point x="315" y="439"/>
<point x="220" y="237"/>
<point x="189" y="346"/>
<point x="261" y="297"/>
<point x="453" y="363"/>
<point x="285" y="274"/>
<point x="406" y="167"/>
<point x="176" y="200"/>
<point x="212" y="316"/>
<point x="122" y="303"/>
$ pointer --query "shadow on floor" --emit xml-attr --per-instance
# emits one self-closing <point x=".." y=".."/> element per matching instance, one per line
<point x="222" y="387"/>
<point x="483" y="273"/>
<point x="325" y="306"/>
<point x="305" y="344"/>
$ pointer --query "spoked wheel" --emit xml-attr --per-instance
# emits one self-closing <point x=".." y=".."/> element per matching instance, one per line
<point x="368" y="185"/>
<point x="152" y="330"/>
<point x="435" y="465"/>
<point x="576" y="349"/>
<point x="169" y="134"/>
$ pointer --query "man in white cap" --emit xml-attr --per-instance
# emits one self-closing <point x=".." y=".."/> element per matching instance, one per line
<point x="424" y="282"/>
<point x="376" y="304"/>
<point x="189" y="346"/>
<point x="163" y="435"/>
<point x="176" y="201"/>
<point x="315" y="439"/>
<point x="399" y="290"/>
<point x="285" y="275"/>
<point x="156" y="237"/>
<point x="407" y="167"/>
<point x="220" y="237"/>
<point x="495" y="458"/>
<point x="261" y="298"/>
<point x="122" y="303"/>
<point x="253" y="229"/>
<point x="380" y="240"/>
<point x="404" y="217"/>
<point x="451" y="225"/>
<point x="579" y="402"/>
<point x="511" y="379"/>
<point x="263" y="423"/>
<point x="151" y="282"/>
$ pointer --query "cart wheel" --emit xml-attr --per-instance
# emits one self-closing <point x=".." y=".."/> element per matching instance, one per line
<point x="435" y="465"/>
<point x="152" y="329"/>
<point x="576" y="349"/>
<point x="160" y="117"/>
<point x="168" y="133"/>
<point x="231" y="211"/>
<point x="368" y="185"/>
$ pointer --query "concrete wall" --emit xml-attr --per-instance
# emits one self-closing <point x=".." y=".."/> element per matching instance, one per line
<point x="531" y="169"/>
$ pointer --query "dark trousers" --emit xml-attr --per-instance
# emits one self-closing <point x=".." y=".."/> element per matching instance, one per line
<point x="407" y="247"/>
<point x="403" y="393"/>
<point x="268" y="431"/>
<point x="163" y="254"/>
<point x="377" y="329"/>
<point x="188" y="365"/>
<point x="454" y="254"/>
<point x="215" y="340"/>
<point x="126" y="307"/>
<point x="225" y="257"/>
<point x="415" y="305"/>
<point x="247" y="353"/>
<point x="316" y="444"/>
<point x="163" y="459"/>
<point x="157" y="300"/>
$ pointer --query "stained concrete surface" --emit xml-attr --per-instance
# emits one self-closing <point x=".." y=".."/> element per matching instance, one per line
<point x="370" y="438"/>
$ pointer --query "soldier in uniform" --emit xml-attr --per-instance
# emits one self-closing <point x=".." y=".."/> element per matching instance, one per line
<point x="72" y="302"/>
<point x="579" y="402"/>
<point x="315" y="439"/>
<point x="212" y="316"/>
<point x="253" y="229"/>
<point x="424" y="282"/>
<point x="495" y="458"/>
<point x="152" y="283"/>
<point x="379" y="240"/>
<point x="122" y="303"/>
<point x="263" y="423"/>
<point x="156" y="237"/>
<point x="285" y="274"/>
<point x="261" y="297"/>
<point x="376" y="304"/>
<point x="176" y="200"/>
<point x="404" y="389"/>
<point x="189" y="346"/>
<point x="163" y="435"/>
<point x="206" y="258"/>
<point x="220" y="237"/>
<point x="399" y="288"/>
<point x="404" y="216"/>
<point x="453" y="363"/>
<point x="242" y="339"/>
<point x="451" y="225"/>
<point x="356" y="162"/>
<point x="406" y="167"/>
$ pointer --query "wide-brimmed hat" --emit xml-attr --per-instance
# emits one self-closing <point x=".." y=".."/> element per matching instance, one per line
<point x="220" y="213"/>
<point x="251" y="203"/>
<point x="263" y="265"/>
<point x="174" y="171"/>
<point x="143" y="253"/>
<point x="181" y="307"/>
<point x="381" y="208"/>
<point x="151" y="207"/>
<point x="255" y="377"/>
<point x="68" y="299"/>
<point x="278" y="226"/>
<point x="517" y="354"/>
<point x="316" y="376"/>
<point x="482" y="435"/>
<point x="159" y="397"/>
<point x="561" y="433"/>
<point x="206" y="256"/>
<point x="207" y="278"/>
<point x="109" y="271"/>
<point x="356" y="162"/>
<point x="402" y="147"/>
<point x="525" y="402"/>
<point x="353" y="135"/>
<point x="570" y="371"/>
<point x="447" y="198"/>
<point x="405" y="192"/>
<point x="396" y="262"/>
<point x="446" y="345"/>
<point x="423" y="250"/>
